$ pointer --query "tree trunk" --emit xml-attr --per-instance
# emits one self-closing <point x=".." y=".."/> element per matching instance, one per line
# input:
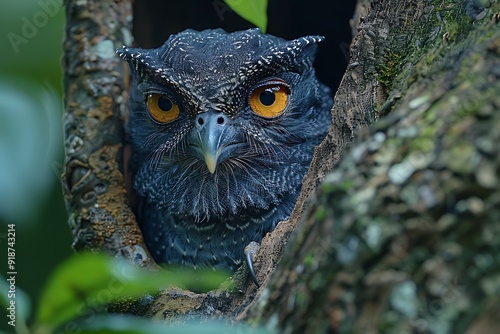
<point x="397" y="235"/>
<point x="402" y="236"/>
<point x="95" y="103"/>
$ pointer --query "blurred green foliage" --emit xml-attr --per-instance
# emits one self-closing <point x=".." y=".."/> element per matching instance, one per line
<point x="31" y="140"/>
<point x="77" y="294"/>
<point x="85" y="283"/>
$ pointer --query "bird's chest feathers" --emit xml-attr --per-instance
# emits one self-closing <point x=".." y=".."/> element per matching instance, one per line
<point x="218" y="242"/>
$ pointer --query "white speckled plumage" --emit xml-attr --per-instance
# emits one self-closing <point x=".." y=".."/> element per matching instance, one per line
<point x="188" y="214"/>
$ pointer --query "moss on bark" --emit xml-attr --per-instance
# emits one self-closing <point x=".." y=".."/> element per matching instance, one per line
<point x="400" y="237"/>
<point x="95" y="98"/>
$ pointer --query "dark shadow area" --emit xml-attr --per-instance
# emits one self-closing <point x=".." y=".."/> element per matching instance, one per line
<point x="155" y="20"/>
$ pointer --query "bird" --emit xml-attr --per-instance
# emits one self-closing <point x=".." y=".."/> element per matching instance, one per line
<point x="223" y="127"/>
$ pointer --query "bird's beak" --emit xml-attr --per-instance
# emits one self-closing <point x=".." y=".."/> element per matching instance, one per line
<point x="208" y="130"/>
<point x="210" y="159"/>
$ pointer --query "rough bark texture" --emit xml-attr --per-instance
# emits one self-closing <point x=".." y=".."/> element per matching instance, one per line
<point x="95" y="99"/>
<point x="401" y="237"/>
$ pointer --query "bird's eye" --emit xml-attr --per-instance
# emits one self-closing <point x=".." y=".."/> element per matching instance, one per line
<point x="269" y="100"/>
<point x="161" y="108"/>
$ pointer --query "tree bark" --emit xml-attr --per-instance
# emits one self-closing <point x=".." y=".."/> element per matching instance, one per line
<point x="401" y="237"/>
<point x="95" y="102"/>
<point x="396" y="233"/>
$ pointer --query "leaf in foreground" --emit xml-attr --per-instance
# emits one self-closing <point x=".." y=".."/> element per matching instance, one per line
<point x="87" y="280"/>
<point x="254" y="11"/>
<point x="120" y="324"/>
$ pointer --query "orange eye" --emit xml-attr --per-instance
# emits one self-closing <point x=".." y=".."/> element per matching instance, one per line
<point x="269" y="100"/>
<point x="161" y="108"/>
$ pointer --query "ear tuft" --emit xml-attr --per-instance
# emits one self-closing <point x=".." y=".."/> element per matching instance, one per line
<point x="298" y="53"/>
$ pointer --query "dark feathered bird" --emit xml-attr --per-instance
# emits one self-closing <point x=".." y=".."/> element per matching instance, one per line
<point x="223" y="127"/>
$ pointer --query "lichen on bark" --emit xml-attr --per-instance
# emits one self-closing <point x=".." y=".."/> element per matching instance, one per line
<point x="400" y="235"/>
<point x="95" y="98"/>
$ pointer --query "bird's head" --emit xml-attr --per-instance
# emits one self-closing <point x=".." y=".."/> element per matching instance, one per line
<point x="222" y="122"/>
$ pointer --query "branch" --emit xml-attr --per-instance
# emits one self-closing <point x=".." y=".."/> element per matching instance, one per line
<point x="95" y="102"/>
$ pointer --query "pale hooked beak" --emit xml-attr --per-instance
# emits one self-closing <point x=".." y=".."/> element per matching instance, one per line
<point x="210" y="159"/>
<point x="207" y="132"/>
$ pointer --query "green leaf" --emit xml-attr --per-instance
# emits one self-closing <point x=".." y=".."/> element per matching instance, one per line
<point x="88" y="281"/>
<point x="254" y="11"/>
<point x="128" y="325"/>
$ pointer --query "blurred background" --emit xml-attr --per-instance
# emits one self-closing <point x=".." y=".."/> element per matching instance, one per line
<point x="31" y="104"/>
<point x="31" y="140"/>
